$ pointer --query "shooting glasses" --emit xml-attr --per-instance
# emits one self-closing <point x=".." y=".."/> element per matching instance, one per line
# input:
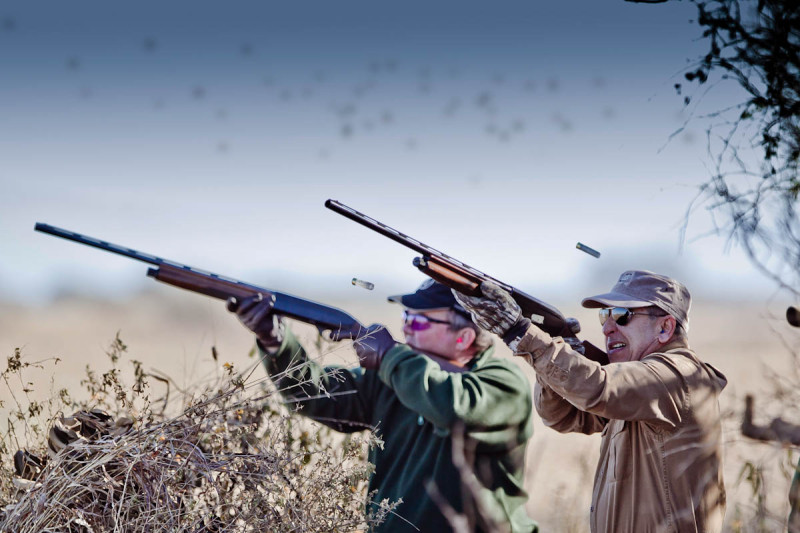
<point x="419" y="322"/>
<point x="622" y="315"/>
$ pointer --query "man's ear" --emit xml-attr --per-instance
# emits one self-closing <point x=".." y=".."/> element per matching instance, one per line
<point x="667" y="325"/>
<point x="466" y="336"/>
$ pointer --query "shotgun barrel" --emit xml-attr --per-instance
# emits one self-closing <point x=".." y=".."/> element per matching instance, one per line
<point x="325" y="318"/>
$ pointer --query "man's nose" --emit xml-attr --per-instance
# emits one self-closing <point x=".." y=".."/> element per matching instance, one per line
<point x="609" y="326"/>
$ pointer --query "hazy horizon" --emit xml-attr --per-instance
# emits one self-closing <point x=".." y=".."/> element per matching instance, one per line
<point x="212" y="135"/>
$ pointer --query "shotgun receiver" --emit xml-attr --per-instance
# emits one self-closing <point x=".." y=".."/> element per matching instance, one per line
<point x="340" y="324"/>
<point x="466" y="279"/>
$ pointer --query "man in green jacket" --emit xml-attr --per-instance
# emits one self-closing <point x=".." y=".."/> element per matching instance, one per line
<point x="416" y="396"/>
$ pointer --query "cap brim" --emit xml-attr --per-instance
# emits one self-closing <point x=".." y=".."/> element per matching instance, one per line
<point x="397" y="298"/>
<point x="613" y="299"/>
<point x="416" y="302"/>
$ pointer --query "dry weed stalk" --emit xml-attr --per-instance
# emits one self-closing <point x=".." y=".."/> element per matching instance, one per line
<point x="227" y="462"/>
<point x="767" y="468"/>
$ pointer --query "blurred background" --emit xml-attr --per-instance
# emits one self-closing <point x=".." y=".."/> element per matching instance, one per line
<point x="212" y="135"/>
<point x="501" y="133"/>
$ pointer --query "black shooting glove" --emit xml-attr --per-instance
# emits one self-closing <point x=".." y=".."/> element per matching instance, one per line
<point x="496" y="311"/>
<point x="372" y="344"/>
<point x="255" y="313"/>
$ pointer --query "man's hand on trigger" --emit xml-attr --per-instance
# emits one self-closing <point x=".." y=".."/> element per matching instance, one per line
<point x="372" y="344"/>
<point x="255" y="313"/>
<point x="495" y="311"/>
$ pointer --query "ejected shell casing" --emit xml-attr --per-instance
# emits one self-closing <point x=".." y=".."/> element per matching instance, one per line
<point x="591" y="251"/>
<point x="363" y="284"/>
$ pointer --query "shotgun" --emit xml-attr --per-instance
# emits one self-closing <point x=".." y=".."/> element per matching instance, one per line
<point x="336" y="322"/>
<point x="466" y="279"/>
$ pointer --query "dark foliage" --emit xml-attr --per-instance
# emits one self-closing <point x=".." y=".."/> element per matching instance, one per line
<point x="755" y="144"/>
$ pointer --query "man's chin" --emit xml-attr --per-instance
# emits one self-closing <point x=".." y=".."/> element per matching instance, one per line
<point x="619" y="356"/>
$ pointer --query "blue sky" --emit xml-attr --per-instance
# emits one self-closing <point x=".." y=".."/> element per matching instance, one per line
<point x="211" y="133"/>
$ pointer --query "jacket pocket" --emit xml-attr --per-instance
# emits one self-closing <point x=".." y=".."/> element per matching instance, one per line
<point x="620" y="448"/>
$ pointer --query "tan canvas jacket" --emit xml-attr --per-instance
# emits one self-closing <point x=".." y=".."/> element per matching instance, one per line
<point x="660" y="467"/>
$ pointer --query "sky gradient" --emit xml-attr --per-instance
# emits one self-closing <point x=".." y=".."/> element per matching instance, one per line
<point x="212" y="134"/>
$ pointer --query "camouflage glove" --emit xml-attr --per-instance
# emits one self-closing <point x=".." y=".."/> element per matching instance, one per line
<point x="255" y="313"/>
<point x="372" y="344"/>
<point x="495" y="311"/>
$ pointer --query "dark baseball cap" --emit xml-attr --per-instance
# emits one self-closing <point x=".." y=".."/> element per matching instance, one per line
<point x="641" y="288"/>
<point x="430" y="295"/>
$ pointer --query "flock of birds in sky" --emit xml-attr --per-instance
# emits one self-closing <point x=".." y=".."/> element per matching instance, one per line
<point x="359" y="103"/>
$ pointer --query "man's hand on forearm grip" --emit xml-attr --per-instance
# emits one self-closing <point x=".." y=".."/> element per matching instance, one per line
<point x="372" y="345"/>
<point x="255" y="313"/>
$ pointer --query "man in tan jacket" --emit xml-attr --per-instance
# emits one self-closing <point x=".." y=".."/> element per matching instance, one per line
<point x="656" y="403"/>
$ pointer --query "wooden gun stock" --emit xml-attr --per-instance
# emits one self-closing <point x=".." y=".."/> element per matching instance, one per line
<point x="196" y="282"/>
<point x="453" y="277"/>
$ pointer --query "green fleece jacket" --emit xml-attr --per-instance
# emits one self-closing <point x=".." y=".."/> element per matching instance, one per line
<point x="413" y="405"/>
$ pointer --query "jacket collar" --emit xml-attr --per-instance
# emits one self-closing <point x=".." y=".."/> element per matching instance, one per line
<point x="481" y="358"/>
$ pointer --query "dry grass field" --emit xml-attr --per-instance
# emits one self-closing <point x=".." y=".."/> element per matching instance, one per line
<point x="174" y="333"/>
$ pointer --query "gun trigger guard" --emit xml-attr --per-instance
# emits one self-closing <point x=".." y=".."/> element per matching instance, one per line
<point x="330" y="334"/>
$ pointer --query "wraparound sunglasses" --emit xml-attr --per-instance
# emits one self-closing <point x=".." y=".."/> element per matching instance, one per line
<point x="622" y="315"/>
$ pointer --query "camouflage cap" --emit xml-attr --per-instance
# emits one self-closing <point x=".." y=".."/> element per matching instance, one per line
<point x="641" y="288"/>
